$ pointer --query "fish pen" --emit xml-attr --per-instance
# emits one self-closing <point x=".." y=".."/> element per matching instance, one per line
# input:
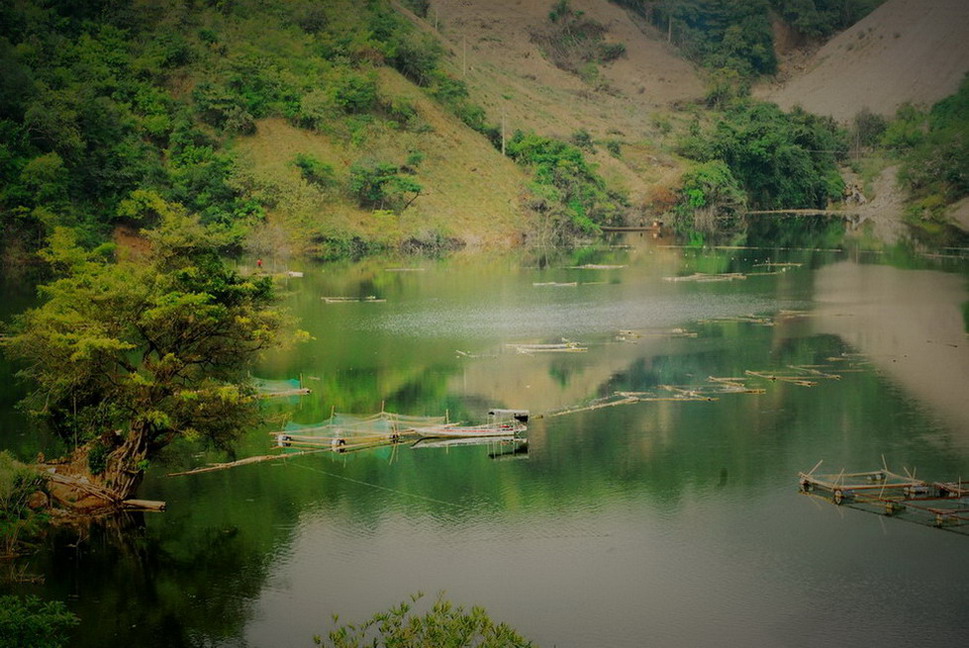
<point x="279" y="388"/>
<point x="944" y="505"/>
<point x="350" y="431"/>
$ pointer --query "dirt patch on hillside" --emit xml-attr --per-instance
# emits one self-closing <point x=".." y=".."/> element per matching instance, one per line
<point x="905" y="51"/>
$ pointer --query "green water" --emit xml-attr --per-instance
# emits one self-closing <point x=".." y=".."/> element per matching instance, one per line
<point x="658" y="523"/>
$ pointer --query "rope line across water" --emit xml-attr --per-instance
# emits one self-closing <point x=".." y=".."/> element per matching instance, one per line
<point x="377" y="486"/>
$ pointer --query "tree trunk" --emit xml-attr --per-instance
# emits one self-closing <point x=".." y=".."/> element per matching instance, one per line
<point x="124" y="470"/>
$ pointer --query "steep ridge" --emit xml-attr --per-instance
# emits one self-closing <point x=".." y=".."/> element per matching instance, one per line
<point x="905" y="51"/>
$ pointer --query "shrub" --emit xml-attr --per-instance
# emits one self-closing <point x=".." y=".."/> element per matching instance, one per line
<point x="443" y="625"/>
<point x="315" y="172"/>
<point x="867" y="128"/>
<point x="17" y="520"/>
<point x="30" y="623"/>
<point x="379" y="185"/>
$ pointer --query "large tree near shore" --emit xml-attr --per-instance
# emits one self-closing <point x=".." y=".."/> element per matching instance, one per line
<point x="127" y="353"/>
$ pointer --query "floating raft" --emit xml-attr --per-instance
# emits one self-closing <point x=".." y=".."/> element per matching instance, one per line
<point x="704" y="277"/>
<point x="370" y="299"/>
<point x="279" y="388"/>
<point x="940" y="504"/>
<point x="558" y="347"/>
<point x="595" y="266"/>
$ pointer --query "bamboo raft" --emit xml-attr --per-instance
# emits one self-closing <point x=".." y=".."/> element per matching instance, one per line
<point x="353" y="300"/>
<point x="702" y="277"/>
<point x="558" y="347"/>
<point x="943" y="505"/>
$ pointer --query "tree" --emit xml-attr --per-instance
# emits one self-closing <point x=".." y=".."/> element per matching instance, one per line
<point x="128" y="356"/>
<point x="711" y="199"/>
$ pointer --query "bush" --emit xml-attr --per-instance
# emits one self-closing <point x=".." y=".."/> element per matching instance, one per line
<point x="17" y="520"/>
<point x="315" y="172"/>
<point x="711" y="199"/>
<point x="443" y="625"/>
<point x="30" y="623"/>
<point x="379" y="185"/>
<point x="566" y="181"/>
<point x="576" y="43"/>
<point x="867" y="128"/>
<point x="938" y="163"/>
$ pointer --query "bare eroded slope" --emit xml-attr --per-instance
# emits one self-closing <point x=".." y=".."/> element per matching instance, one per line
<point x="905" y="51"/>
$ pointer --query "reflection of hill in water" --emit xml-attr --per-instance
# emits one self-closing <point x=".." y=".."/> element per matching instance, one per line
<point x="909" y="324"/>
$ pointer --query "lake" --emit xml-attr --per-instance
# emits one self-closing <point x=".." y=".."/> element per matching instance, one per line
<point x="674" y="520"/>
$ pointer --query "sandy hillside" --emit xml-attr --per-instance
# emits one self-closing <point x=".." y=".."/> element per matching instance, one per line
<point x="492" y="51"/>
<point x="905" y="51"/>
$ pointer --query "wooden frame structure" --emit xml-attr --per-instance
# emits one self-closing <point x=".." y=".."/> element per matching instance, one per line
<point x="941" y="504"/>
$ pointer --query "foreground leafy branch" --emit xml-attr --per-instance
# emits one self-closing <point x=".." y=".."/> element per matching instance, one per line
<point x="444" y="625"/>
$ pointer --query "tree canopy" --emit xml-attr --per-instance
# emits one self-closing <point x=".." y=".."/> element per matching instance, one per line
<point x="128" y="355"/>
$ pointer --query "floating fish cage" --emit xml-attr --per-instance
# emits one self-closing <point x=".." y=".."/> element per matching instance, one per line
<point x="941" y="504"/>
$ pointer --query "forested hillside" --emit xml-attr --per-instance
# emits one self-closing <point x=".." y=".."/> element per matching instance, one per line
<point x="328" y="118"/>
<point x="342" y="128"/>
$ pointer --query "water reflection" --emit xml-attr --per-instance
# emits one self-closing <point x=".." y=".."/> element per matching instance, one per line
<point x="910" y="324"/>
<point x="671" y="522"/>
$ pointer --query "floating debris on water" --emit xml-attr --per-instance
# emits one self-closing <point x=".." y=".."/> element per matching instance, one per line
<point x="556" y="284"/>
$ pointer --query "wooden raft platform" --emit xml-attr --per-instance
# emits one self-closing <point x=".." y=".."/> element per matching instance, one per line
<point x="936" y="503"/>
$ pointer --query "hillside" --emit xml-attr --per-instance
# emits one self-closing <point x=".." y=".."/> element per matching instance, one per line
<point x="905" y="51"/>
<point x="492" y="49"/>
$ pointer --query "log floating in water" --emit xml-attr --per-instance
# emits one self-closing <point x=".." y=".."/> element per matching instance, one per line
<point x="143" y="505"/>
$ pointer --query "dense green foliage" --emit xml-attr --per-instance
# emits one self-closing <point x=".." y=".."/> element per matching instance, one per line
<point x="566" y="186"/>
<point x="443" y="625"/>
<point x="18" y="521"/>
<point x="711" y="199"/>
<point x="136" y="352"/>
<point x="107" y="109"/>
<point x="936" y="144"/>
<point x="30" y="623"/>
<point x="782" y="160"/>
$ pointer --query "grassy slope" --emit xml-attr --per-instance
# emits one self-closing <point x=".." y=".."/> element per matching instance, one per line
<point x="470" y="191"/>
<point x="507" y="74"/>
